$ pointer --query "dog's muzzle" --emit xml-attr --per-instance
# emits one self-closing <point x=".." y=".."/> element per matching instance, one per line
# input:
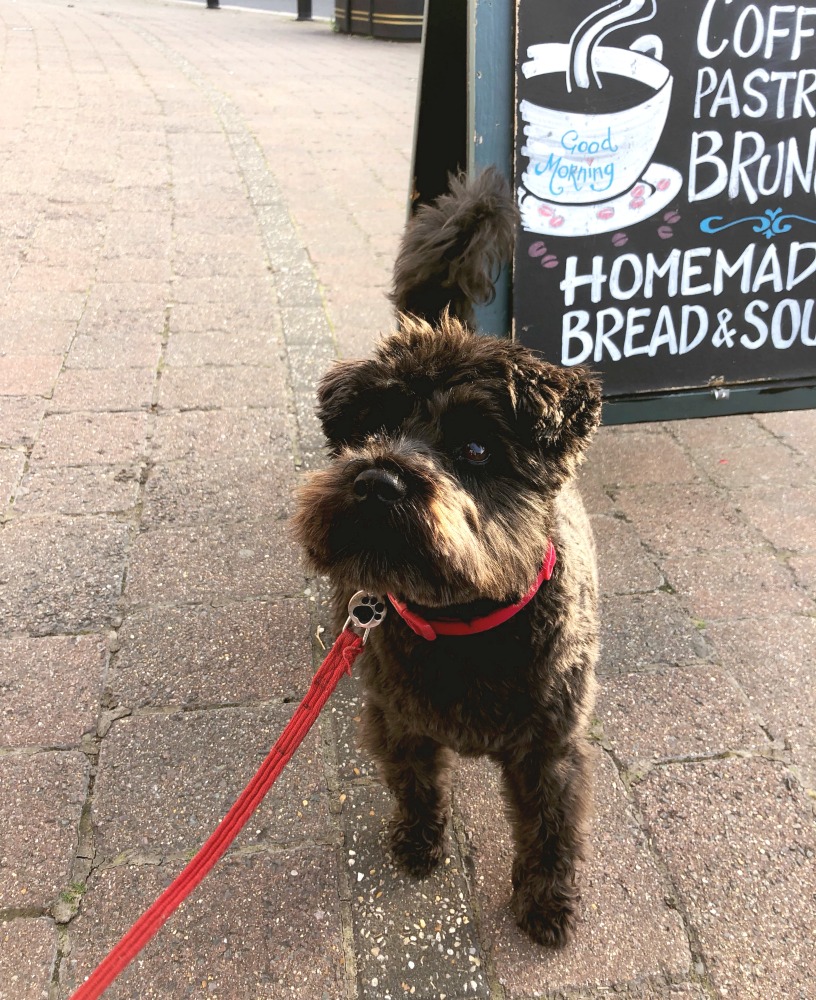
<point x="381" y="485"/>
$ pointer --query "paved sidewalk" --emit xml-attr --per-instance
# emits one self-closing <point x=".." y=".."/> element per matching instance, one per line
<point x="198" y="211"/>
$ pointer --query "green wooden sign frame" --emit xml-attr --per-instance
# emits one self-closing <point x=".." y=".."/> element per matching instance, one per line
<point x="469" y="56"/>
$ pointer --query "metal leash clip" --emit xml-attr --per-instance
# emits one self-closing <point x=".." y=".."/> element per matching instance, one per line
<point x="366" y="611"/>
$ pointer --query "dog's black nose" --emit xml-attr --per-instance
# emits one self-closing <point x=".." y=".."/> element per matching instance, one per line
<point x="380" y="484"/>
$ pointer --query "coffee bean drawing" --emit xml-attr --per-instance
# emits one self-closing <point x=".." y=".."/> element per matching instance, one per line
<point x="665" y="232"/>
<point x="539" y="250"/>
<point x="671" y="217"/>
<point x="620" y="239"/>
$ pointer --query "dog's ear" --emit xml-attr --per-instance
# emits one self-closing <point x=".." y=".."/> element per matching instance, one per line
<point x="559" y="407"/>
<point x="339" y="398"/>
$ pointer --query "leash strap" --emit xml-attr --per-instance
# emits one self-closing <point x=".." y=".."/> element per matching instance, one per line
<point x="339" y="660"/>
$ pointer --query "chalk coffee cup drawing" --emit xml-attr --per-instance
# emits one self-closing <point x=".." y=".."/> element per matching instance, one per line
<point x="578" y="156"/>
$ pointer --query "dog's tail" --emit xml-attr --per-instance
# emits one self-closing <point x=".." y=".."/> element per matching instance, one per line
<point x="452" y="249"/>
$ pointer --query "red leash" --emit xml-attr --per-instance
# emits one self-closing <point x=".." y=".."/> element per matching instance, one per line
<point x="341" y="656"/>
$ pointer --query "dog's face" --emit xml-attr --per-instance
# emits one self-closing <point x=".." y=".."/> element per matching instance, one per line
<point x="447" y="449"/>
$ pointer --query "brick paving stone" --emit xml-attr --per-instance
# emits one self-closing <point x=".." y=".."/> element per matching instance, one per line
<point x="741" y="450"/>
<point x="413" y="938"/>
<point x="78" y="490"/>
<point x="743" y="584"/>
<point x="771" y="463"/>
<point x="242" y="288"/>
<point x="28" y="375"/>
<point x="231" y="217"/>
<point x="164" y="782"/>
<point x="36" y="336"/>
<point x="804" y="570"/>
<point x="243" y="488"/>
<point x="135" y="269"/>
<point x="215" y="347"/>
<point x="209" y="435"/>
<point x="49" y="689"/>
<point x="637" y="458"/>
<point x="28" y="950"/>
<point x="596" y="499"/>
<point x="240" y="653"/>
<point x="791" y="425"/>
<point x="642" y="629"/>
<point x="784" y="515"/>
<point x="20" y="418"/>
<point x="738" y="841"/>
<point x="144" y="244"/>
<point x="37" y="277"/>
<point x="212" y="387"/>
<point x="213" y="260"/>
<point x="345" y="707"/>
<point x="43" y="795"/>
<point x="624" y="566"/>
<point x="42" y="305"/>
<point x="675" y="712"/>
<point x="213" y="563"/>
<point x="260" y="927"/>
<point x="11" y="469"/>
<point x="111" y="299"/>
<point x="771" y="659"/>
<point x="797" y="428"/>
<point x="60" y="574"/>
<point x="626" y="930"/>
<point x="235" y="306"/>
<point x="91" y="439"/>
<point x="685" y="517"/>
<point x="120" y="349"/>
<point x="98" y="389"/>
<point x="723" y="433"/>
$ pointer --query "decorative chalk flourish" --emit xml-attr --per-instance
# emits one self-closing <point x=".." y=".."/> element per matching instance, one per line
<point x="772" y="223"/>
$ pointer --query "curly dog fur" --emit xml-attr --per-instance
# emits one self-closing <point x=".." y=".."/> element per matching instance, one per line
<point x="452" y="467"/>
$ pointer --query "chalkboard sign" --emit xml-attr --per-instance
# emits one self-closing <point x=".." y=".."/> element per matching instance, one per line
<point x="665" y="164"/>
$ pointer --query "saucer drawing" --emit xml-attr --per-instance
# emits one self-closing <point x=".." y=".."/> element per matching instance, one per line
<point x="658" y="186"/>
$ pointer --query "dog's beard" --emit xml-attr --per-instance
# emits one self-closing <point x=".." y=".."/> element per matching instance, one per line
<point x="437" y="547"/>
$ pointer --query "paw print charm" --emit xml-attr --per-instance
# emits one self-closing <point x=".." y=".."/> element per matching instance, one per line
<point x="367" y="611"/>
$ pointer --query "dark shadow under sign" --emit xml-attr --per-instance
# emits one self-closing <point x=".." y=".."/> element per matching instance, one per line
<point x="665" y="165"/>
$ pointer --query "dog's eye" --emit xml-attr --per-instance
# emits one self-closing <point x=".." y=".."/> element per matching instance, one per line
<point x="475" y="453"/>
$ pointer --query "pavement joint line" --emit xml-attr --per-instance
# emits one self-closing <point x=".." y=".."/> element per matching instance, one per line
<point x="699" y="965"/>
<point x="35" y="751"/>
<point x="636" y="772"/>
<point x="495" y="989"/>
<point x="165" y="711"/>
<point x="139" y="857"/>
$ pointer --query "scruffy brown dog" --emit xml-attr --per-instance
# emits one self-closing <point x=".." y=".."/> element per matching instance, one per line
<point x="450" y="490"/>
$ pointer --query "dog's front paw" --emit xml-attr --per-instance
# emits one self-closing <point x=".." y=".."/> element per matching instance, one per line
<point x="417" y="847"/>
<point x="549" y="920"/>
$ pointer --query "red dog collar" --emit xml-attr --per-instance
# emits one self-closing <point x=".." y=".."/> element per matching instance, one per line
<point x="430" y="629"/>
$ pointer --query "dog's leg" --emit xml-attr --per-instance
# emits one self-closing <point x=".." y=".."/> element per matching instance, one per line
<point x="417" y="771"/>
<point x="549" y="796"/>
